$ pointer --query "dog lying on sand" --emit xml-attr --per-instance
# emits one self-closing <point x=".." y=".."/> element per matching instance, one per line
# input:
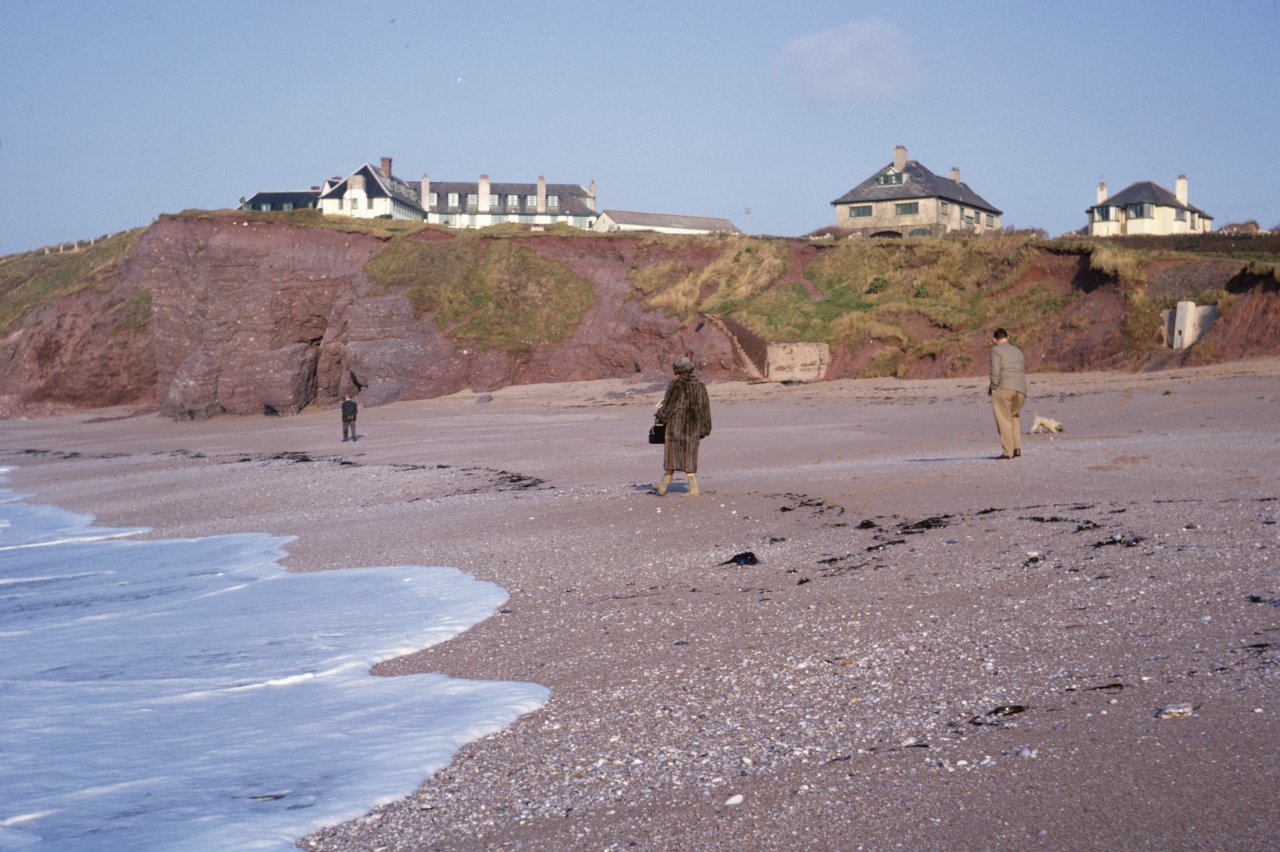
<point x="1045" y="424"/>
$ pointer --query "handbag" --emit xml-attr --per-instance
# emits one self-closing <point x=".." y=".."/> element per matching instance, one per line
<point x="658" y="432"/>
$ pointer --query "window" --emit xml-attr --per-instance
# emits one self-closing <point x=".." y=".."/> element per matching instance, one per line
<point x="339" y="203"/>
<point x="434" y="199"/>
<point x="889" y="178"/>
<point x="919" y="232"/>
<point x="493" y="202"/>
<point x="531" y="201"/>
<point x="908" y="208"/>
<point x="264" y="206"/>
<point x="991" y="221"/>
<point x="1104" y="214"/>
<point x="368" y="203"/>
<point x="553" y="202"/>
<point x="943" y="207"/>
<point x="453" y="199"/>
<point x="1139" y="211"/>
<point x="860" y="211"/>
<point x="513" y="202"/>
<point x="288" y="206"/>
<point x="472" y="199"/>
<point x="1180" y="215"/>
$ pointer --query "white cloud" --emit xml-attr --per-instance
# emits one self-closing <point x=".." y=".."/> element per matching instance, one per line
<point x="860" y="59"/>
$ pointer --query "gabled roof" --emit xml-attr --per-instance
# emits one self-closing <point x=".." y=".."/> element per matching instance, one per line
<point x="918" y="182"/>
<point x="670" y="220"/>
<point x="378" y="185"/>
<point x="1146" y="192"/>
<point x="574" y="200"/>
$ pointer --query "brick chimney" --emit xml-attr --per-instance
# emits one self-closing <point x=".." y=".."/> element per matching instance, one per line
<point x="1180" y="189"/>
<point x="542" y="194"/>
<point x="1102" y="192"/>
<point x="482" y="188"/>
<point x="899" y="158"/>
<point x="386" y="167"/>
<point x="955" y="174"/>
<point x="426" y="192"/>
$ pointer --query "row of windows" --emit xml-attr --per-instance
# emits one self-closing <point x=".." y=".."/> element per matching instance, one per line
<point x="1145" y="210"/>
<point x="463" y="219"/>
<point x="495" y="201"/>
<point x="912" y="208"/>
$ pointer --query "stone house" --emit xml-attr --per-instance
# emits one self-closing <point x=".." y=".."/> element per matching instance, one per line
<point x="905" y="199"/>
<point x="1145" y="208"/>
<point x="663" y="223"/>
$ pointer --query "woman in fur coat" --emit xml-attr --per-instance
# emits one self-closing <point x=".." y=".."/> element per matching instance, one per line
<point x="686" y="412"/>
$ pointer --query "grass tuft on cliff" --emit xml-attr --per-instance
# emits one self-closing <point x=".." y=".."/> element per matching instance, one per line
<point x="33" y="279"/>
<point x="491" y="293"/>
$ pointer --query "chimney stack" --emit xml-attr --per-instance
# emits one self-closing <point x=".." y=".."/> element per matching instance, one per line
<point x="482" y="203"/>
<point x="899" y="158"/>
<point x="955" y="174"/>
<point x="591" y="202"/>
<point x="542" y="194"/>
<point x="386" y="167"/>
<point x="426" y="192"/>
<point x="1180" y="189"/>
<point x="355" y="184"/>
<point x="1102" y="192"/>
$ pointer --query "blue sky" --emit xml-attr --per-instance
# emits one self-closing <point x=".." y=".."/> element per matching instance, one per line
<point x="113" y="113"/>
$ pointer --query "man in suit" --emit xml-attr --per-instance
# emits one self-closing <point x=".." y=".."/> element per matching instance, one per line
<point x="1008" y="391"/>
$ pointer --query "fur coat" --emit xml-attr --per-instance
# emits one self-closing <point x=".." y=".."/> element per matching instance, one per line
<point x="686" y="411"/>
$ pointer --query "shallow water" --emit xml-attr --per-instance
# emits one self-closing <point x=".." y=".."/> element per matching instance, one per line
<point x="192" y="694"/>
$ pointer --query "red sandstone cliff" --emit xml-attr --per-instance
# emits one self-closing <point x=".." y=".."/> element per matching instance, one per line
<point x="247" y="316"/>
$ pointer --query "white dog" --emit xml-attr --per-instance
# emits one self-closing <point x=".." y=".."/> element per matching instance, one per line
<point x="1045" y="424"/>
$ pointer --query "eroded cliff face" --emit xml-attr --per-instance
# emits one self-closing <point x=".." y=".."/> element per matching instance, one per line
<point x="214" y="315"/>
<point x="253" y="317"/>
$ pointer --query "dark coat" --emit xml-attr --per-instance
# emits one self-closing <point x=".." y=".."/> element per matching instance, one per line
<point x="349" y="409"/>
<point x="686" y="411"/>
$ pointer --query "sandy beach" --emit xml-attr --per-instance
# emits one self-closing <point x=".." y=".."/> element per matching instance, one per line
<point x="1076" y="649"/>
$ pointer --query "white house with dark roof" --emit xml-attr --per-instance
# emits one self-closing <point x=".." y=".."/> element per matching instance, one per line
<point x="368" y="193"/>
<point x="482" y="203"/>
<point x="663" y="223"/>
<point x="905" y="199"/>
<point x="1145" y="208"/>
<point x="372" y="192"/>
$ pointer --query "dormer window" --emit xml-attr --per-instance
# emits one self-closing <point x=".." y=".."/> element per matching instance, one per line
<point x="889" y="178"/>
<point x="553" y="202"/>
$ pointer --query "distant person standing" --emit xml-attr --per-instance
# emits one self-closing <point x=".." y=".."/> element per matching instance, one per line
<point x="349" y="409"/>
<point x="1008" y="391"/>
<point x="686" y="412"/>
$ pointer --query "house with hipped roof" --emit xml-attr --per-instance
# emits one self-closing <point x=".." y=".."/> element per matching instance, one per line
<point x="905" y="199"/>
<point x="1146" y="208"/>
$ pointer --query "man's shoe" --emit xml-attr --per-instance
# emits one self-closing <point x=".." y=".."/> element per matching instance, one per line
<point x="1017" y="453"/>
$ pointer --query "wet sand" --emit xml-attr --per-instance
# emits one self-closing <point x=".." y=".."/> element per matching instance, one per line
<point x="1072" y="650"/>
